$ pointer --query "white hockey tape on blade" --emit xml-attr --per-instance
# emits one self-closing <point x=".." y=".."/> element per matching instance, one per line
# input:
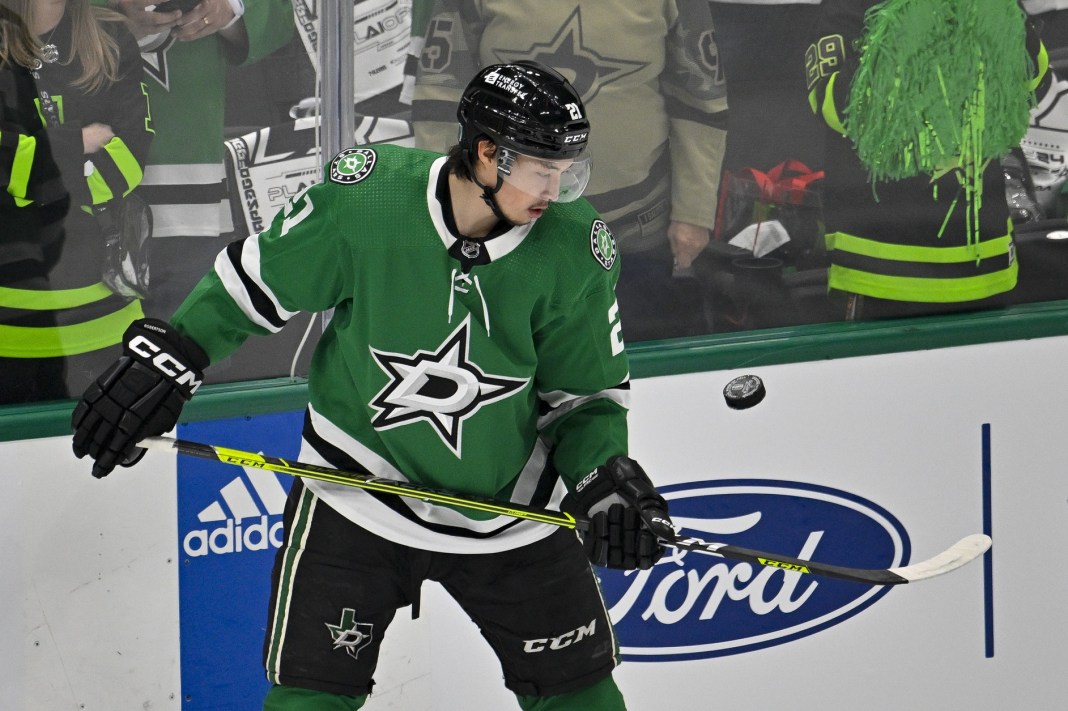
<point x="744" y="392"/>
<point x="959" y="554"/>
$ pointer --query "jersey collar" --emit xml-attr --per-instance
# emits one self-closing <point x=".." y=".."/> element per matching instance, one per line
<point x="497" y="245"/>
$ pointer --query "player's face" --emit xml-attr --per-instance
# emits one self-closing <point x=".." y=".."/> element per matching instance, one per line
<point x="553" y="180"/>
<point x="528" y="183"/>
<point x="529" y="186"/>
<point x="519" y="207"/>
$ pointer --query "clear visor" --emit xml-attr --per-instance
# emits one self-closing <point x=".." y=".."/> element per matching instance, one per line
<point x="543" y="178"/>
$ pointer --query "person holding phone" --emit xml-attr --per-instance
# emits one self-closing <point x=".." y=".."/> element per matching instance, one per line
<point x="187" y="47"/>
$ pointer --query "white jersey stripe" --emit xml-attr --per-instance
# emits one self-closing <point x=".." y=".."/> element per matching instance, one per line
<point x="366" y="511"/>
<point x="563" y="402"/>
<point x="235" y="287"/>
<point x="250" y="261"/>
<point x="231" y="281"/>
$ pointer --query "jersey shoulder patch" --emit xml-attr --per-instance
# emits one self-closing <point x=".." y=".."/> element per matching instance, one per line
<point x="352" y="165"/>
<point x="602" y="244"/>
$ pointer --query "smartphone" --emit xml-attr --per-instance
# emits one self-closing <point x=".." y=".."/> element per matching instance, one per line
<point x="172" y="5"/>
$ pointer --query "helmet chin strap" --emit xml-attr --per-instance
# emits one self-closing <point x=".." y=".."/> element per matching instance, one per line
<point x="489" y="196"/>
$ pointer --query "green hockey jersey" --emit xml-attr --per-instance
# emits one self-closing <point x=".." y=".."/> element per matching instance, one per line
<point x="490" y="367"/>
<point x="185" y="180"/>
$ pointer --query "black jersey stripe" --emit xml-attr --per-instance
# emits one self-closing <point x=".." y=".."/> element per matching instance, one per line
<point x="183" y="194"/>
<point x="432" y="110"/>
<point x="112" y="175"/>
<point x="679" y="110"/>
<point x="340" y="459"/>
<point x="260" y="301"/>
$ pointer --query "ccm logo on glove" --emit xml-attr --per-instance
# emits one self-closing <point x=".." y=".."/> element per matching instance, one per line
<point x="585" y="481"/>
<point x="165" y="363"/>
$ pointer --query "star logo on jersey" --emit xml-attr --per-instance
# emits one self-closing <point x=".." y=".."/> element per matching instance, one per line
<point x="568" y="54"/>
<point x="154" y="62"/>
<point x="350" y="635"/>
<point x="442" y="388"/>
<point x="603" y="244"/>
<point x="352" y="165"/>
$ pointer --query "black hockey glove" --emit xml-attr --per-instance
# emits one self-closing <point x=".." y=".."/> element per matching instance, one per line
<point x="627" y="516"/>
<point x="140" y="395"/>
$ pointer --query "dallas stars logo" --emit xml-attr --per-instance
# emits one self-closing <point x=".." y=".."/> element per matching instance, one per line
<point x="352" y="165"/>
<point x="602" y="244"/>
<point x="350" y="635"/>
<point x="567" y="52"/>
<point x="442" y="388"/>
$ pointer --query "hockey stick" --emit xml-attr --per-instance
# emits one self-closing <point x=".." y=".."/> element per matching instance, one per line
<point x="957" y="555"/>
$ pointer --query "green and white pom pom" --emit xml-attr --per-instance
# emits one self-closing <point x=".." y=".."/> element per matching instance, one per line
<point x="940" y="84"/>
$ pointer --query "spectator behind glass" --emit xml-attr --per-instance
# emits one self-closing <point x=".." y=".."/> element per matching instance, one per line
<point x="88" y="93"/>
<point x="33" y="202"/>
<point x="769" y="126"/>
<point x="648" y="74"/>
<point x="925" y="242"/>
<point x="185" y="59"/>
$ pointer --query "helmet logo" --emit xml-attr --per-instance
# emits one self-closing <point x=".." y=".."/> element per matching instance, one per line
<point x="505" y="160"/>
<point x="603" y="244"/>
<point x="352" y="165"/>
<point x="516" y="88"/>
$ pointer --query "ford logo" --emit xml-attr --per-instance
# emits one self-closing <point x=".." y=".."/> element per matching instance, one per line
<point x="694" y="606"/>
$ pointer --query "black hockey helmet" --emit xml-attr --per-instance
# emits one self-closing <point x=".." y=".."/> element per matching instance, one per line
<point x="529" y="109"/>
<point x="524" y="106"/>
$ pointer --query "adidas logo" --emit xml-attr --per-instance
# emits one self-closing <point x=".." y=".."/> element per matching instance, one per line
<point x="235" y="535"/>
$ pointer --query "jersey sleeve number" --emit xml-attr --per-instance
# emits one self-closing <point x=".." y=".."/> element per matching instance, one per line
<point x="616" y="337"/>
<point x="293" y="215"/>
<point x="823" y="58"/>
<point x="437" y="51"/>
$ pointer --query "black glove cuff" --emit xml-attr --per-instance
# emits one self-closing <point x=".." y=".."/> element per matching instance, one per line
<point x="623" y="476"/>
<point x="622" y="480"/>
<point x="160" y="347"/>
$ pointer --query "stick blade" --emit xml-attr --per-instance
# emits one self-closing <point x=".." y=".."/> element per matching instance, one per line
<point x="959" y="554"/>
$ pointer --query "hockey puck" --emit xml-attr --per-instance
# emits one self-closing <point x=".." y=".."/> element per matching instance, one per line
<point x="744" y="392"/>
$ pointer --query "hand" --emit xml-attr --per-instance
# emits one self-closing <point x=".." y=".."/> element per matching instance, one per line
<point x="95" y="136"/>
<point x="142" y="22"/>
<point x="687" y="241"/>
<point x="140" y="395"/>
<point x="627" y="516"/>
<point x="208" y="17"/>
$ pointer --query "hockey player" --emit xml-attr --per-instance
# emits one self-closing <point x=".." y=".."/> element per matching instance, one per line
<point x="475" y="346"/>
